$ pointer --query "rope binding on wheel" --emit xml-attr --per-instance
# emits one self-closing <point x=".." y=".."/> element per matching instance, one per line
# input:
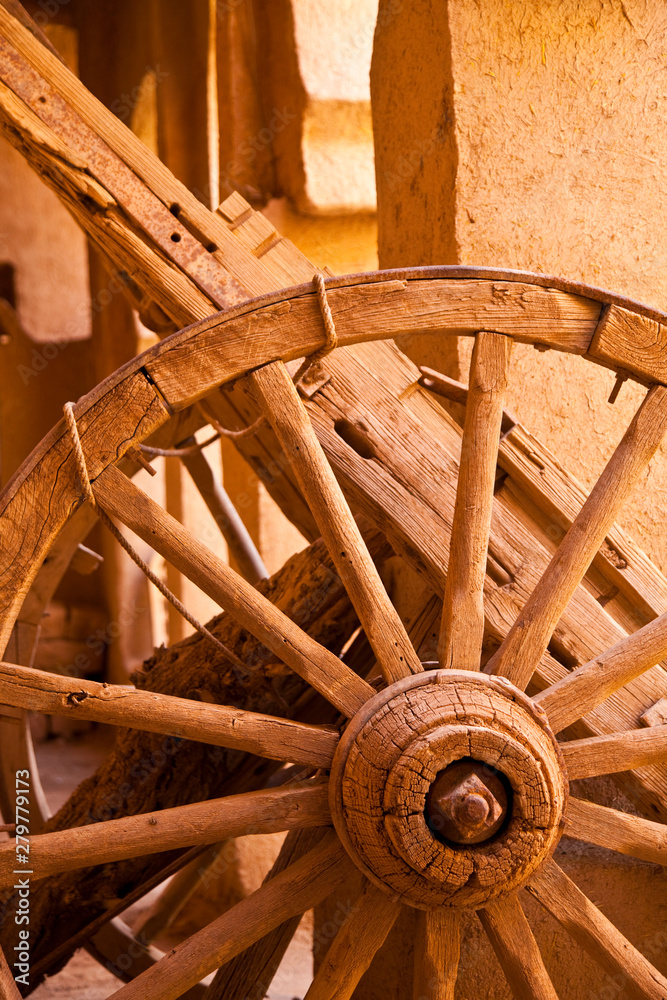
<point x="84" y="478"/>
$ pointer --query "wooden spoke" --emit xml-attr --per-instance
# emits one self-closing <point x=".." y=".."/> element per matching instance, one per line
<point x="641" y="838"/>
<point x="355" y="946"/>
<point x="225" y="515"/>
<point x="560" y="896"/>
<point x="462" y="628"/>
<point x="324" y="671"/>
<point x="437" y="952"/>
<point x="589" y="685"/>
<point x="529" y="636"/>
<point x="516" y="949"/>
<point x="219" y="725"/>
<point x="268" y="811"/>
<point x="379" y="618"/>
<point x="616" y="752"/>
<point x="259" y="963"/>
<point x="300" y="887"/>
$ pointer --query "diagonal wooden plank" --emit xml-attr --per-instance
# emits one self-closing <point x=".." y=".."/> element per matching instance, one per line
<point x="380" y="621"/>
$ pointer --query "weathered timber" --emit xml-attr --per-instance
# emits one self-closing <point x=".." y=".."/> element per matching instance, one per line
<point x="290" y="420"/>
<point x="597" y="935"/>
<point x="632" y="343"/>
<point x="516" y="949"/>
<point x="617" y="752"/>
<point x="146" y="772"/>
<point x="462" y="628"/>
<point x="618" y="831"/>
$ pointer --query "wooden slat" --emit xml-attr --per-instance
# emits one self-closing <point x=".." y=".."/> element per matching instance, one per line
<point x="436" y="954"/>
<point x="590" y="928"/>
<point x="589" y="685"/>
<point x="355" y="946"/>
<point x="379" y="618"/>
<point x="633" y="343"/>
<point x="268" y="811"/>
<point x="462" y="628"/>
<point x="617" y="752"/>
<point x="117" y="705"/>
<point x="110" y="185"/>
<point x="313" y="662"/>
<point x="516" y="949"/>
<point x="302" y="886"/>
<point x="618" y="831"/>
<point x="528" y="638"/>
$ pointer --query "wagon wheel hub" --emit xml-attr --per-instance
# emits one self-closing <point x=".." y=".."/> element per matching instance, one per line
<point x="448" y="789"/>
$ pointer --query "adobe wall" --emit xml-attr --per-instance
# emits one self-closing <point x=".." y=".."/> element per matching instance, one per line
<point x="531" y="135"/>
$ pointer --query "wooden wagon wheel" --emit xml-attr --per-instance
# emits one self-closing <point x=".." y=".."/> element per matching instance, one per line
<point x="447" y="788"/>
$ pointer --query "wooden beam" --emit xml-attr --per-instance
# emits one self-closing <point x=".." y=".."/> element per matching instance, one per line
<point x="618" y="831"/>
<point x="120" y="498"/>
<point x="380" y="621"/>
<point x="617" y="752"/>
<point x="462" y="628"/>
<point x="117" y="705"/>
<point x="268" y="811"/>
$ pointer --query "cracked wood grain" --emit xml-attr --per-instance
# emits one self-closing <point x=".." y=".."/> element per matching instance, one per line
<point x="380" y="621"/>
<point x="462" y="627"/>
<point x="266" y="811"/>
<point x="327" y="674"/>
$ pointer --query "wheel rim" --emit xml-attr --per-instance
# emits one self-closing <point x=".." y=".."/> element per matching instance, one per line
<point x="155" y="378"/>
